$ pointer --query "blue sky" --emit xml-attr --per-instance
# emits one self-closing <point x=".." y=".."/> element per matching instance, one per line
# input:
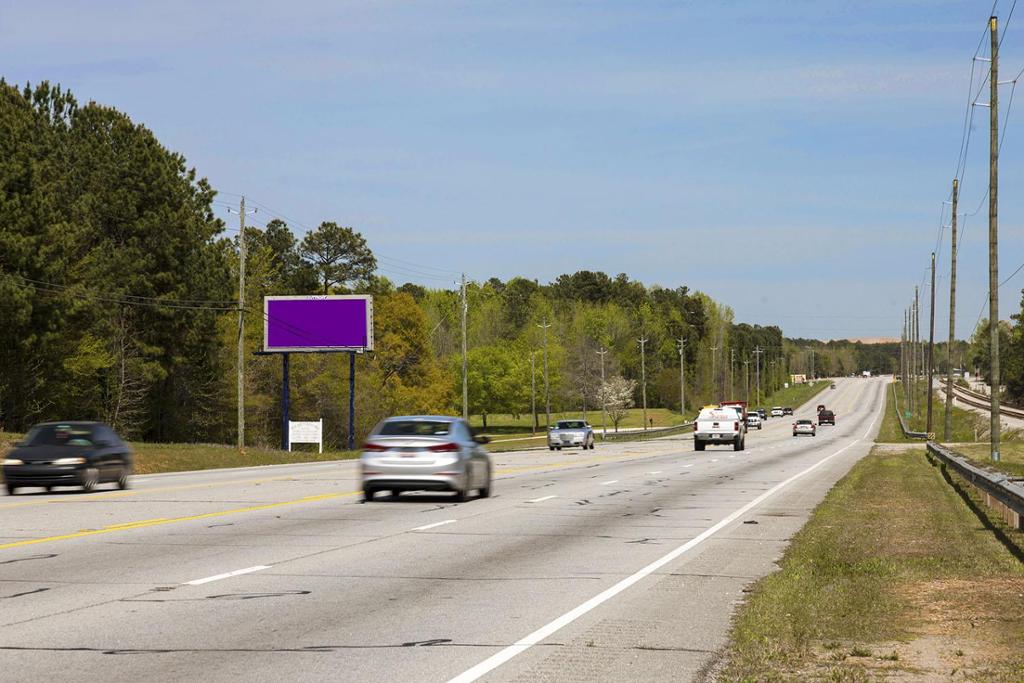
<point x="787" y="157"/>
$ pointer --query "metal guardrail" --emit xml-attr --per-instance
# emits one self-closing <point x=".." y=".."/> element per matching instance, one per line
<point x="903" y="425"/>
<point x="1002" y="493"/>
<point x="645" y="434"/>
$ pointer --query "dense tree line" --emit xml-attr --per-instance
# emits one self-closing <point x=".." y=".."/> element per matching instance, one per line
<point x="118" y="294"/>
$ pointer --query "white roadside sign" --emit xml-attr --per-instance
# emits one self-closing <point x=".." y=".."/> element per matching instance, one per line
<point x="306" y="432"/>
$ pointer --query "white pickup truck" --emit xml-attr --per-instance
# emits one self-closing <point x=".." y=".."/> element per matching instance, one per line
<point x="720" y="426"/>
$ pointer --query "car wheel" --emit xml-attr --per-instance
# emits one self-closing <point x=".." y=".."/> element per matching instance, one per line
<point x="462" y="495"/>
<point x="486" y="491"/>
<point x="90" y="479"/>
<point x="122" y="479"/>
<point x="592" y="445"/>
<point x="368" y="495"/>
<point x="551" y="448"/>
<point x="10" y="489"/>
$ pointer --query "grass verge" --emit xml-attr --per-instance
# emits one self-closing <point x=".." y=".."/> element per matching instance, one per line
<point x="795" y="395"/>
<point x="152" y="458"/>
<point x="967" y="425"/>
<point x="1011" y="456"/>
<point x="500" y="424"/>
<point x="892" y="576"/>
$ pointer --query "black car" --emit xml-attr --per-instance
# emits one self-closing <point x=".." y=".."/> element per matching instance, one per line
<point x="68" y="454"/>
<point x="787" y="411"/>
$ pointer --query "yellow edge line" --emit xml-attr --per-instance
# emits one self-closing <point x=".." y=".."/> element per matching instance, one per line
<point x="255" y="508"/>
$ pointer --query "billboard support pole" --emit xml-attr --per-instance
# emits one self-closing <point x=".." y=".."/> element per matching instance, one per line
<point x="285" y="401"/>
<point x="351" y="400"/>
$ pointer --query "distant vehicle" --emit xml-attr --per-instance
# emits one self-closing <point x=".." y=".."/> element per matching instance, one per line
<point x="55" y="454"/>
<point x="787" y="411"/>
<point x="821" y="407"/>
<point x="826" y="417"/>
<point x="777" y="411"/>
<point x="568" y="433"/>
<point x="804" y="427"/>
<point x="717" y="425"/>
<point x="833" y="385"/>
<point x="866" y="373"/>
<point x="425" y="453"/>
<point x="763" y="413"/>
<point x="754" y="421"/>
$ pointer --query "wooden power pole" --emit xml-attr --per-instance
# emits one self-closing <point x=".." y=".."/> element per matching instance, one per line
<point x="931" y="350"/>
<point x="993" y="237"/>
<point x="947" y="431"/>
<point x="241" y="325"/>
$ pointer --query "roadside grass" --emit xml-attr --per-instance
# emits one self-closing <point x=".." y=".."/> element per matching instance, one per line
<point x="892" y="576"/>
<point x="152" y="458"/>
<point x="968" y="426"/>
<point x="1011" y="456"/>
<point x="508" y="425"/>
<point x="795" y="395"/>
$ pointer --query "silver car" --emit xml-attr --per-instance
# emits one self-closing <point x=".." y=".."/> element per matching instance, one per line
<point x="568" y="433"/>
<point x="425" y="453"/>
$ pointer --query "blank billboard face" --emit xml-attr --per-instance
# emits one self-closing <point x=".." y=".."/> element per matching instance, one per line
<point x="318" y="323"/>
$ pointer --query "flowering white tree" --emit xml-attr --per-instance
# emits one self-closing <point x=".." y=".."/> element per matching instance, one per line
<point x="616" y="395"/>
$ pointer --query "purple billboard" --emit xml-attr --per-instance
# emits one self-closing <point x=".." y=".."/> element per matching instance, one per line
<point x="318" y="323"/>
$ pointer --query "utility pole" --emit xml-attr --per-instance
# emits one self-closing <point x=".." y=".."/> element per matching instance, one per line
<point x="533" y="393"/>
<point x="931" y="350"/>
<point x="903" y="357"/>
<point x="682" y="376"/>
<point x="993" y="236"/>
<point x="465" y="362"/>
<point x="643" y="374"/>
<point x="732" y="372"/>
<point x="947" y="432"/>
<point x="714" y="371"/>
<point x="757" y="364"/>
<point x="746" y="381"/>
<point x="547" y="392"/>
<point x="241" y="324"/>
<point x="604" y="402"/>
<point x="918" y="356"/>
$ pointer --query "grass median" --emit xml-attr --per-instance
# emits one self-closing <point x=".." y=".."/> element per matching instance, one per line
<point x="892" y="577"/>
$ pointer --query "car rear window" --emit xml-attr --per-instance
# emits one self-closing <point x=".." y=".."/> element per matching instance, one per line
<point x="60" y="435"/>
<point x="415" y="428"/>
<point x="804" y="422"/>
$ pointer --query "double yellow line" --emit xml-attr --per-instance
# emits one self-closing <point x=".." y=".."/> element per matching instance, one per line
<point x="126" y="526"/>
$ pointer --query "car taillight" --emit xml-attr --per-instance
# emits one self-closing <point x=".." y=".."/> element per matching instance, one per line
<point x="444" y="448"/>
<point x="735" y="426"/>
<point x="374" y="447"/>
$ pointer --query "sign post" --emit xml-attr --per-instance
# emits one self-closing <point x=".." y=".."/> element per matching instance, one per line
<point x="306" y="432"/>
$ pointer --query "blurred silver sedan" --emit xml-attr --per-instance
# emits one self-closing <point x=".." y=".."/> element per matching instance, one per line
<point x="425" y="453"/>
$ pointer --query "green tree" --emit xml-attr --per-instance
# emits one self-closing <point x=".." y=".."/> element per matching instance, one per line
<point x="338" y="255"/>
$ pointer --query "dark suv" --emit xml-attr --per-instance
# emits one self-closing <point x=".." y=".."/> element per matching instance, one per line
<point x="826" y="417"/>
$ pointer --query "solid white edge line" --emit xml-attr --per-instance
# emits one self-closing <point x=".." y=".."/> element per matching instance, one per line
<point x="541" y="500"/>
<point x="228" y="575"/>
<point x="504" y="655"/>
<point x="431" y="526"/>
<point x="613" y="481"/>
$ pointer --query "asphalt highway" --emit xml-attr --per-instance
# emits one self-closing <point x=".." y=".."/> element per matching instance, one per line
<point x="626" y="561"/>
